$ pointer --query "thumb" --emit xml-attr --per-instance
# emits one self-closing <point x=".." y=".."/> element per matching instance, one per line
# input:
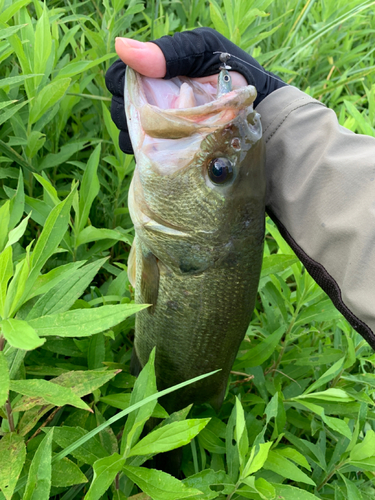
<point x="146" y="58"/>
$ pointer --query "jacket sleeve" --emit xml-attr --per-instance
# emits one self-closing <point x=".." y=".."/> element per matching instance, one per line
<point x="321" y="195"/>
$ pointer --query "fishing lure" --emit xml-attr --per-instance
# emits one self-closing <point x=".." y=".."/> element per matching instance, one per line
<point x="224" y="82"/>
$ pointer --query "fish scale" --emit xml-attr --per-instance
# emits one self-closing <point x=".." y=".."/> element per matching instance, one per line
<point x="199" y="240"/>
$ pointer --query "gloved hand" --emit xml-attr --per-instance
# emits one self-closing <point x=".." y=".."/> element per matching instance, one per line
<point x="192" y="54"/>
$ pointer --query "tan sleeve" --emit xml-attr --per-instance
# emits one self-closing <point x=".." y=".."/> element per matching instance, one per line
<point x="321" y="195"/>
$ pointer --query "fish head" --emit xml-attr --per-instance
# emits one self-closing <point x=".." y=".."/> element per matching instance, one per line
<point x="199" y="166"/>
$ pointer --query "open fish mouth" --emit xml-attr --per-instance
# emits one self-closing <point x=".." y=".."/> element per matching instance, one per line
<point x="180" y="108"/>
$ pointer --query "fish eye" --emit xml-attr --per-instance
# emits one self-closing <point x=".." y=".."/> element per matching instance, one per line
<point x="226" y="78"/>
<point x="220" y="170"/>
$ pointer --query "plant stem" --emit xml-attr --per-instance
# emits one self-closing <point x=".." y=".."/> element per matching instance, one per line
<point x="10" y="415"/>
<point x="335" y="469"/>
<point x="2" y="342"/>
<point x="229" y="497"/>
<point x="47" y="421"/>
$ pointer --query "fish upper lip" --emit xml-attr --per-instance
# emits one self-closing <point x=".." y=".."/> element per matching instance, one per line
<point x="178" y="229"/>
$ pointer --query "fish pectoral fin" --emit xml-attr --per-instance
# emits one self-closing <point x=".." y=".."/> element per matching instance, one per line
<point x="150" y="280"/>
<point x="132" y="264"/>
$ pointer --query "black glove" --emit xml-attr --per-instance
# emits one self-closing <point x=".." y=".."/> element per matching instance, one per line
<point x="191" y="53"/>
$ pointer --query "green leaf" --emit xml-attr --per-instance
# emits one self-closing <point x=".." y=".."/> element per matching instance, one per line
<point x="209" y="437"/>
<point x="169" y="437"/>
<point x="353" y="493"/>
<point x="63" y="295"/>
<point x="13" y="110"/>
<point x="38" y="209"/>
<point x="294" y="455"/>
<point x="47" y="98"/>
<point x="6" y="32"/>
<point x="206" y="479"/>
<point x="50" y="392"/>
<point x="15" y="359"/>
<point x="39" y="479"/>
<point x="12" y="9"/>
<point x="105" y="471"/>
<point x="20" y="334"/>
<point x="265" y="489"/>
<point x="4" y="379"/>
<point x="256" y="487"/>
<point x="6" y="272"/>
<point x="30" y="418"/>
<point x="364" y="125"/>
<point x="217" y="19"/>
<point x="35" y="141"/>
<point x="315" y="451"/>
<point x="121" y="400"/>
<point x="324" y="310"/>
<point x="338" y="425"/>
<point x="85" y="382"/>
<point x="366" y="464"/>
<point x="4" y="223"/>
<point x="75" y="67"/>
<point x="282" y="466"/>
<point x="292" y="493"/>
<point x="276" y="263"/>
<point x="327" y="376"/>
<point x="17" y="286"/>
<point x="107" y="437"/>
<point x="272" y="408"/>
<point x="143" y="402"/>
<point x="91" y="233"/>
<point x="14" y="156"/>
<point x="80" y="382"/>
<point x="158" y="484"/>
<point x="260" y="353"/>
<point x="366" y="448"/>
<point x="42" y="45"/>
<point x="66" y="473"/>
<point x="332" y="394"/>
<point x="3" y="105"/>
<point x="84" y="322"/>
<point x="55" y="159"/>
<point x="144" y="387"/>
<point x="258" y="456"/>
<point x="17" y="204"/>
<point x="241" y="435"/>
<point x="17" y="233"/>
<point x="96" y="351"/>
<point x="113" y="133"/>
<point x="45" y="282"/>
<point x="13" y="455"/>
<point x="51" y="236"/>
<point x="90" y="187"/>
<point x="231" y="446"/>
<point x="88" y="453"/>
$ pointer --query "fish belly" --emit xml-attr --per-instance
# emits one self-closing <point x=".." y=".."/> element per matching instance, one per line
<point x="198" y="323"/>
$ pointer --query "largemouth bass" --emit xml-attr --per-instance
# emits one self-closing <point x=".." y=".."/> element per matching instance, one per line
<point x="197" y="204"/>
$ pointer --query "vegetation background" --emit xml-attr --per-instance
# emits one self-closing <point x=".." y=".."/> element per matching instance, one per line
<point x="298" y="421"/>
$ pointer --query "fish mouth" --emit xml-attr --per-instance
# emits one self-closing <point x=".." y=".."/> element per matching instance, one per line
<point x="160" y="111"/>
<point x="180" y="107"/>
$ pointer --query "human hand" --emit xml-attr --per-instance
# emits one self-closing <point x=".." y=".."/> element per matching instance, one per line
<point x="191" y="53"/>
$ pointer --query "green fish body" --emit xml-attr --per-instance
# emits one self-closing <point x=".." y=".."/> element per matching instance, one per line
<point x="197" y="204"/>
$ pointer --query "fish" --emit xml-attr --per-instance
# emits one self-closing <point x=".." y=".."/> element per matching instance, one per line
<point x="197" y="202"/>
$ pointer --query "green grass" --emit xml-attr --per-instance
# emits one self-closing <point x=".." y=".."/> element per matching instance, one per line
<point x="298" y="420"/>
